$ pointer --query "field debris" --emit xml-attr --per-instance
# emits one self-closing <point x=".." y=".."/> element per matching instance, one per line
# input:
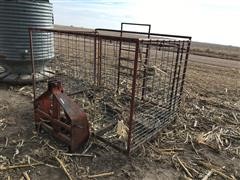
<point x="25" y="91"/>
<point x="63" y="166"/>
<point x="122" y="130"/>
<point x="207" y="175"/>
<point x="207" y="125"/>
<point x="101" y="175"/>
<point x="26" y="176"/>
<point x="184" y="167"/>
<point x="203" y="143"/>
<point x="4" y="168"/>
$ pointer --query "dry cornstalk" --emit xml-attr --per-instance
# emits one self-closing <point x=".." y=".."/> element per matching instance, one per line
<point x="202" y="139"/>
<point x="207" y="175"/>
<point x="213" y="168"/>
<point x="101" y="175"/>
<point x="223" y="175"/>
<point x="51" y="147"/>
<point x="193" y="146"/>
<point x="2" y="168"/>
<point x="231" y="136"/>
<point x="63" y="167"/>
<point x="235" y="117"/>
<point x="171" y="149"/>
<point x="49" y="165"/>
<point x="79" y="155"/>
<point x="159" y="70"/>
<point x="165" y="150"/>
<point x="184" y="168"/>
<point x="6" y="142"/>
<point x="192" y="169"/>
<point x="26" y="176"/>
<point x="185" y="178"/>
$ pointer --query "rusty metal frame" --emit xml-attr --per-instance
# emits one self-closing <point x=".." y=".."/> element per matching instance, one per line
<point x="180" y="60"/>
<point x="146" y="53"/>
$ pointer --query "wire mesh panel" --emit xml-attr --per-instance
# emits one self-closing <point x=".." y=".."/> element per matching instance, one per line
<point x="113" y="95"/>
<point x="160" y="78"/>
<point x="128" y="83"/>
<point x="72" y="60"/>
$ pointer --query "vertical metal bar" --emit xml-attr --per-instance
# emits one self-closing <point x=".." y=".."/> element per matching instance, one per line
<point x="132" y="106"/>
<point x="185" y="66"/>
<point x="33" y="64"/>
<point x="119" y="59"/>
<point x="68" y="59"/>
<point x="174" y="79"/>
<point x="99" y="61"/>
<point x="121" y="28"/>
<point x="149" y="31"/>
<point x="145" y="70"/>
<point x="171" y="69"/>
<point x="84" y="56"/>
<point x="178" y="74"/>
<point x="33" y="78"/>
<point x="95" y="58"/>
<point x="76" y="73"/>
<point x="146" y="63"/>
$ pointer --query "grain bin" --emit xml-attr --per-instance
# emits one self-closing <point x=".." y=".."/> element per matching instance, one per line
<point x="16" y="16"/>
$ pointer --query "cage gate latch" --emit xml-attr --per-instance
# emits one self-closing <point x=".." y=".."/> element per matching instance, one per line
<point x="58" y="113"/>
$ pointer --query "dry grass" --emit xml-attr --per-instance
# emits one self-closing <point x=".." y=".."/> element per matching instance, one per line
<point x="203" y="143"/>
<point x="215" y="50"/>
<point x="208" y="122"/>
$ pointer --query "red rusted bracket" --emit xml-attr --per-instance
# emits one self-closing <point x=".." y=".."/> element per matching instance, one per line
<point x="56" y="112"/>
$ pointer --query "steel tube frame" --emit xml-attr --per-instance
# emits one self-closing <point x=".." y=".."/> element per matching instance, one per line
<point x="98" y="39"/>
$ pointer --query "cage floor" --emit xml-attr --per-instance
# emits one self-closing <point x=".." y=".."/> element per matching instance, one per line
<point x="105" y="108"/>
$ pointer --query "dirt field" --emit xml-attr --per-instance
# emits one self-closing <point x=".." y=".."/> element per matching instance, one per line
<point x="203" y="140"/>
<point x="197" y="48"/>
<point x="215" y="61"/>
<point x="215" y="50"/>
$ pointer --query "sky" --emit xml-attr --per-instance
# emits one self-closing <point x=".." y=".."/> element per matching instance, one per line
<point x="214" y="21"/>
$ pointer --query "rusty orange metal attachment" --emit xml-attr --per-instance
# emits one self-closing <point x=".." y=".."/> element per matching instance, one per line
<point x="57" y="113"/>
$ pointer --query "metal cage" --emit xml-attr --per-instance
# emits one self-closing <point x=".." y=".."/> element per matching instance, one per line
<point x="129" y="83"/>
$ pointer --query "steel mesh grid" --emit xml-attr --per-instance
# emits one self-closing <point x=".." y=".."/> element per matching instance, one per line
<point x="160" y="89"/>
<point x="70" y="51"/>
<point x="98" y="70"/>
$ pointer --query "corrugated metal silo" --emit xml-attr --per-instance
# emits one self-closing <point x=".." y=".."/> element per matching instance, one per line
<point x="16" y="16"/>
